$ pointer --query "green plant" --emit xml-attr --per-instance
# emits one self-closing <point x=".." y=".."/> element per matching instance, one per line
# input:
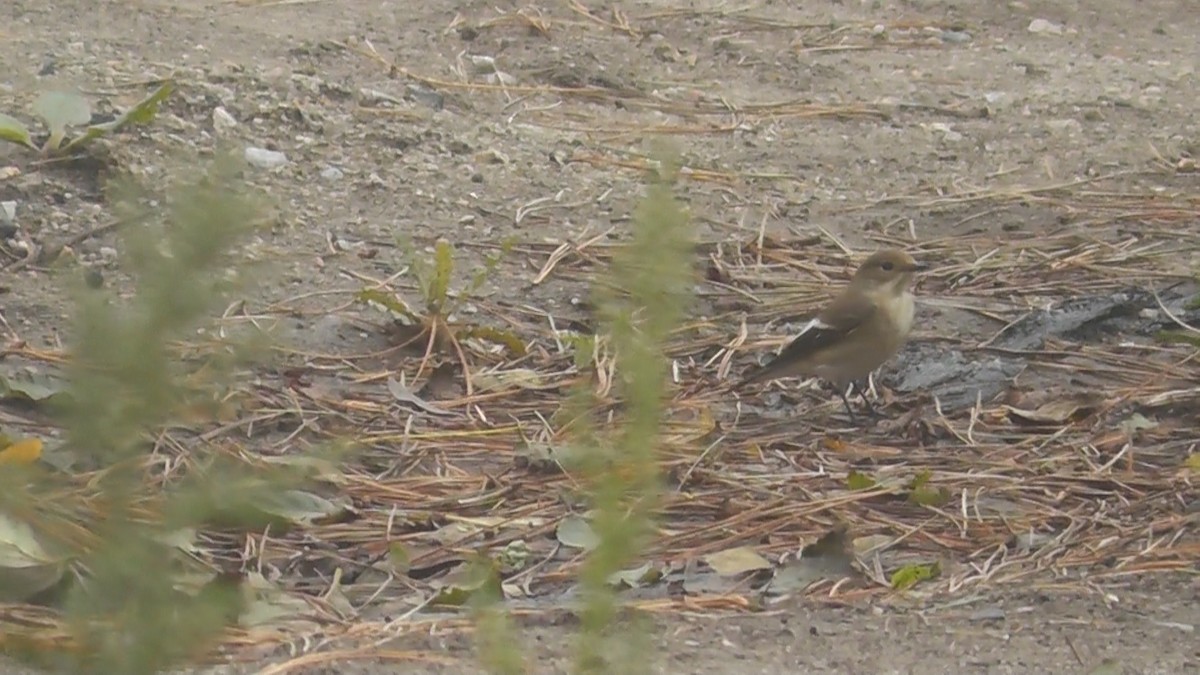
<point x="433" y="320"/>
<point x="133" y="601"/>
<point x="61" y="110"/>
<point x="644" y="300"/>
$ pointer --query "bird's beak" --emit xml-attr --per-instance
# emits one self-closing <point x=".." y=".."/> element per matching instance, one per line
<point x="917" y="267"/>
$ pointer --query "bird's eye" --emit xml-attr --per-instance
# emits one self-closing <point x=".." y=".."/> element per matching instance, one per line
<point x="887" y="266"/>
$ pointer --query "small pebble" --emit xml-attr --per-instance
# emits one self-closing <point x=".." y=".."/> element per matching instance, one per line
<point x="482" y="63"/>
<point x="425" y="96"/>
<point x="222" y="120"/>
<point x="8" y="212"/>
<point x="265" y="159"/>
<point x="1067" y="126"/>
<point x="1038" y="26"/>
<point x="332" y="174"/>
<point x="955" y="36"/>
<point x="500" y="77"/>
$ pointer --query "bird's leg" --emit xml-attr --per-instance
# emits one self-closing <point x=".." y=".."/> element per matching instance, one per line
<point x="859" y="386"/>
<point x="846" y="402"/>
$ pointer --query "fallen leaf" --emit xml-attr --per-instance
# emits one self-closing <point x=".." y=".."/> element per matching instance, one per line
<point x="710" y="583"/>
<point x="576" y="532"/>
<point x="736" y="561"/>
<point x="268" y="604"/>
<point x="833" y="543"/>
<point x="478" y="578"/>
<point x="833" y="443"/>
<point x="1136" y="422"/>
<point x="453" y="533"/>
<point x="1058" y="411"/>
<point x="23" y="452"/>
<point x="299" y="507"/>
<point x="827" y="558"/>
<point x="637" y="577"/>
<point x="872" y="542"/>
<point x="26" y="569"/>
<point x="451" y="596"/>
<point x="35" y="388"/>
<point x="405" y="395"/>
<point x="518" y="378"/>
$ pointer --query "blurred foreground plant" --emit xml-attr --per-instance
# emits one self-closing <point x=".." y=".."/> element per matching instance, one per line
<point x="640" y="302"/>
<point x="135" y="603"/>
<point x="644" y="302"/>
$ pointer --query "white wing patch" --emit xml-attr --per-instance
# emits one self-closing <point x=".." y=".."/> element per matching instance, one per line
<point x="814" y="324"/>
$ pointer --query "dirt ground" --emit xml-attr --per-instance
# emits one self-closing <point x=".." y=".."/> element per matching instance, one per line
<point x="952" y="96"/>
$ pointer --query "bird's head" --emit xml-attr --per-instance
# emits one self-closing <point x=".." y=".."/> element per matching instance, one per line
<point x="890" y="271"/>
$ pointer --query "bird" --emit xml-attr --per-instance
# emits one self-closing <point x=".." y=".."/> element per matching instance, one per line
<point x="855" y="333"/>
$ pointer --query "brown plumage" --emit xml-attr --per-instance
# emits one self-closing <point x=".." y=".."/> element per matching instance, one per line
<point x="857" y="332"/>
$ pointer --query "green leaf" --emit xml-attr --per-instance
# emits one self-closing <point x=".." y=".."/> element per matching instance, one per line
<point x="1192" y="463"/>
<point x="927" y="496"/>
<point x="478" y="580"/>
<point x="575" y="532"/>
<point x="13" y="131"/>
<point x="583" y="349"/>
<point x="33" y="388"/>
<point x="1178" y="337"/>
<point x="1136" y="422"/>
<point x="59" y="110"/>
<point x="26" y="569"/>
<point x="920" y="493"/>
<point x="508" y="339"/>
<point x="19" y="544"/>
<point x="859" y="481"/>
<point x="443" y="270"/>
<point x="909" y="575"/>
<point x="141" y="113"/>
<point x="389" y="301"/>
<point x="451" y="596"/>
<point x="515" y="554"/>
<point x="399" y="557"/>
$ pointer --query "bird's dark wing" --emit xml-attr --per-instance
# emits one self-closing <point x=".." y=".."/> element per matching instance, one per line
<point x="835" y="323"/>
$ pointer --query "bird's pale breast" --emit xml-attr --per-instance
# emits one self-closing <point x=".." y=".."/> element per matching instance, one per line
<point x="902" y="311"/>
